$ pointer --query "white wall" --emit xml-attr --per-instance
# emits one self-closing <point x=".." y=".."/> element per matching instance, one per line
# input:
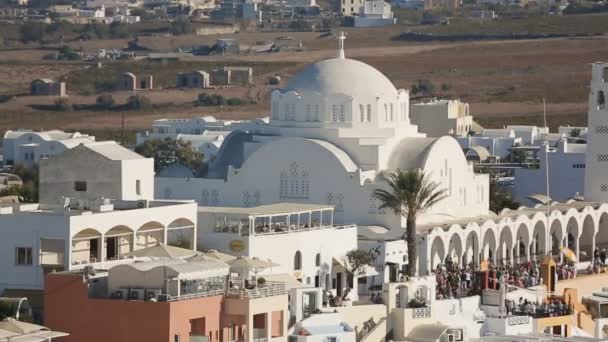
<point x="566" y="177"/>
<point x="114" y="179"/>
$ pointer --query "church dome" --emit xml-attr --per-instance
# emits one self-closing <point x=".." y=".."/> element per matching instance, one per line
<point x="342" y="76"/>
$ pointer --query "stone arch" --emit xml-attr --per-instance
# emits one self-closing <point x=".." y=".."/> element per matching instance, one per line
<point x="471" y="247"/>
<point x="505" y="246"/>
<point x="87" y="246"/>
<point x="586" y="241"/>
<point x="601" y="238"/>
<point x="522" y="243"/>
<point x="455" y="249"/>
<point x="538" y="245"/>
<point x="437" y="252"/>
<point x="556" y="237"/>
<point x="572" y="234"/>
<point x="489" y="245"/>
<point x="118" y="241"/>
<point x="181" y="232"/>
<point x="149" y="234"/>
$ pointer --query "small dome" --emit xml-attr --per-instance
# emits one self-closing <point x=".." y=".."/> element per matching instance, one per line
<point x="342" y="75"/>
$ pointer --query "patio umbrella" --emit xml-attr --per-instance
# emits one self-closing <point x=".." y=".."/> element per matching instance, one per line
<point x="5" y="334"/>
<point x="162" y="251"/>
<point x="219" y="255"/>
<point x="569" y="254"/>
<point x="12" y="325"/>
<point x="245" y="263"/>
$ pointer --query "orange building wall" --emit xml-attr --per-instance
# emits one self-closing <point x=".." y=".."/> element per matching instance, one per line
<point x="68" y="308"/>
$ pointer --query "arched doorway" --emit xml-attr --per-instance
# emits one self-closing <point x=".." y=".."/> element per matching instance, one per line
<point x="471" y="249"/>
<point x="587" y="239"/>
<point x="538" y="247"/>
<point x="505" y="246"/>
<point x="572" y="233"/>
<point x="489" y="245"/>
<point x="522" y="243"/>
<point x="557" y="237"/>
<point x="455" y="249"/>
<point x="437" y="252"/>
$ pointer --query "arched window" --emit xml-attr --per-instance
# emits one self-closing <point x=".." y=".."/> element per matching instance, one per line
<point x="297" y="261"/>
<point x="369" y="113"/>
<point x="334" y="113"/>
<point x="601" y="100"/>
<point x="318" y="259"/>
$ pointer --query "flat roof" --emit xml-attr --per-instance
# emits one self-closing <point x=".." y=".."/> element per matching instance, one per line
<point x="537" y="338"/>
<point x="270" y="209"/>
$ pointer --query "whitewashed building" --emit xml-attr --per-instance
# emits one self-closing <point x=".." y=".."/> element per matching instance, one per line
<point x="300" y="238"/>
<point x="335" y="130"/>
<point x="437" y="118"/>
<point x="89" y="173"/>
<point x="565" y="177"/>
<point x="596" y="177"/>
<point x="90" y="214"/>
<point x="374" y="13"/>
<point x="498" y="147"/>
<point x="28" y="147"/>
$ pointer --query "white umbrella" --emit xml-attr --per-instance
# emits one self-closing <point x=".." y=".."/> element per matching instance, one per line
<point x="162" y="251"/>
<point x="12" y="325"/>
<point x="246" y="263"/>
<point x="219" y="255"/>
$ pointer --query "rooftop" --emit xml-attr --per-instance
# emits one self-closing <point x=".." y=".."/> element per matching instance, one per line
<point x="267" y="210"/>
<point x="113" y="151"/>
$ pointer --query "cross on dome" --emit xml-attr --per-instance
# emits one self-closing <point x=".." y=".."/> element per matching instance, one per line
<point x="341" y="39"/>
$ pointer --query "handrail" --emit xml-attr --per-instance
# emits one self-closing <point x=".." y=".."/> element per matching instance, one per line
<point x="268" y="289"/>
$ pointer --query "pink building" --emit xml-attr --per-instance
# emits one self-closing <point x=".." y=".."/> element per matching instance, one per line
<point x="125" y="305"/>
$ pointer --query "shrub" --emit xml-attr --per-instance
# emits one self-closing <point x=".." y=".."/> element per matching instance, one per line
<point x="414" y="303"/>
<point x="63" y="105"/>
<point x="105" y="101"/>
<point x="66" y="53"/>
<point x="139" y="103"/>
<point x="424" y="87"/>
<point x="211" y="100"/>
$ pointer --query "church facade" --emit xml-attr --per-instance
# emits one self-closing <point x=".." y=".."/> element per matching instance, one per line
<point x="335" y="131"/>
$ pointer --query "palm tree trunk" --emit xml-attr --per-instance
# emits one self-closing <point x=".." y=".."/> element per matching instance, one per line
<point x="410" y="231"/>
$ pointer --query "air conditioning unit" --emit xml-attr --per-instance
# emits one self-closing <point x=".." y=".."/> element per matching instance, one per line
<point x="153" y="294"/>
<point x="162" y="298"/>
<point x="136" y="294"/>
<point x="142" y="204"/>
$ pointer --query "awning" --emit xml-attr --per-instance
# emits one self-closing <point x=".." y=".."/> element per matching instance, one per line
<point x="162" y="251"/>
<point x="427" y="333"/>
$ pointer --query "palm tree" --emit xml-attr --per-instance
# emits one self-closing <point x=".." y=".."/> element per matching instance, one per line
<point x="410" y="192"/>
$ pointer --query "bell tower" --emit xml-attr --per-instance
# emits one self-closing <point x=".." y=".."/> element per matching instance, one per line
<point x="596" y="167"/>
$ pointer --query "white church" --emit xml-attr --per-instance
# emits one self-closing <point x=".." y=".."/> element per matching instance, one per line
<point x="335" y="130"/>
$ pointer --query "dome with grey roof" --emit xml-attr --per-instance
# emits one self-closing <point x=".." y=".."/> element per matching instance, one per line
<point x="342" y="76"/>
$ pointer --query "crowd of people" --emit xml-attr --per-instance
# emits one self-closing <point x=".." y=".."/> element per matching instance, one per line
<point x="553" y="307"/>
<point x="522" y="275"/>
<point x="454" y="281"/>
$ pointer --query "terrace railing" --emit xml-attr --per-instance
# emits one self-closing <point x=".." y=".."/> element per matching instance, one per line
<point x="267" y="289"/>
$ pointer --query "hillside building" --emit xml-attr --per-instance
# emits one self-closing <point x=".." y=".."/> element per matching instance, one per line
<point x="24" y="147"/>
<point x="47" y="87"/>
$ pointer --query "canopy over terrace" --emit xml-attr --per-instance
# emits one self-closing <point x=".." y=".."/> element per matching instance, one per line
<point x="269" y="219"/>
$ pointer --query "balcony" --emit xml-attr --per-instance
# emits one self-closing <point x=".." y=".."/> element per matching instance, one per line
<point x="241" y="290"/>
